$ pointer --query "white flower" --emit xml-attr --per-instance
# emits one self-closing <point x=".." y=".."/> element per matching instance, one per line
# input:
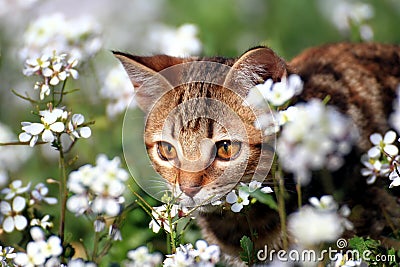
<point x="201" y="256"/>
<point x="79" y="36"/>
<point x="35" y="65"/>
<point x="39" y="194"/>
<point x="114" y="233"/>
<point x="237" y="201"/>
<point x="311" y="227"/>
<point x="317" y="137"/>
<point x="207" y="253"/>
<point x="383" y="145"/>
<point x="118" y="91"/>
<point x="98" y="188"/>
<point x="142" y="257"/>
<point x="344" y="14"/>
<point x="49" y="127"/>
<point x="6" y="253"/>
<point x="160" y="217"/>
<point x="15" y="188"/>
<point x="277" y="93"/>
<point x="33" y="256"/>
<point x="324" y="203"/>
<point x="107" y="205"/>
<point x="78" y="204"/>
<point x="181" y="41"/>
<point x="344" y="261"/>
<point x="44" y="222"/>
<point x="254" y="185"/>
<point x="53" y="69"/>
<point x="394" y="177"/>
<point x="374" y="168"/>
<point x="74" y="126"/>
<point x="99" y="224"/>
<point x="12" y="214"/>
<point x="52" y="247"/>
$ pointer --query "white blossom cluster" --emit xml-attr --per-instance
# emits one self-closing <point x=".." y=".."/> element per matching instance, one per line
<point x="52" y="68"/>
<point x="15" y="200"/>
<point x="181" y="41"/>
<point x="240" y="199"/>
<point x="203" y="255"/>
<point x="347" y="14"/>
<point x="98" y="189"/>
<point x="316" y="136"/>
<point x="141" y="257"/>
<point x="161" y="217"/>
<point x="41" y="251"/>
<point x="8" y="7"/>
<point x="118" y="91"/>
<point x="7" y="255"/>
<point x="344" y="261"/>
<point x="54" y="122"/>
<point x="276" y="94"/>
<point x="79" y="36"/>
<point x="322" y="221"/>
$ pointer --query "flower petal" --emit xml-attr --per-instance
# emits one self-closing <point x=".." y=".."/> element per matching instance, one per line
<point x="8" y="224"/>
<point x="33" y="141"/>
<point x="78" y="119"/>
<point x="266" y="190"/>
<point x="57" y="127"/>
<point x="85" y="132"/>
<point x="237" y="207"/>
<point x="395" y="182"/>
<point x="231" y="197"/>
<point x="374" y="152"/>
<point x="371" y="179"/>
<point x="19" y="203"/>
<point x="375" y="138"/>
<point x="47" y="136"/>
<point x="33" y="128"/>
<point x="24" y="137"/>
<point x="5" y="207"/>
<point x="392" y="150"/>
<point x="389" y="138"/>
<point x="20" y="222"/>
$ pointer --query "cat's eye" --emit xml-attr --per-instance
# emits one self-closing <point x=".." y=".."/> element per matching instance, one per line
<point x="227" y="150"/>
<point x="166" y="151"/>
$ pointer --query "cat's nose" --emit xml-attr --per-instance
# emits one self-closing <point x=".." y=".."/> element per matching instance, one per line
<point x="190" y="191"/>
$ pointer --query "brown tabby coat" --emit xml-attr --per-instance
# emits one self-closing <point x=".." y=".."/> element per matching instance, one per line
<point x="361" y="81"/>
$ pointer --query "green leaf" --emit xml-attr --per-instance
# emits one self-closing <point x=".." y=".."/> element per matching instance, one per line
<point x="264" y="198"/>
<point x="248" y="250"/>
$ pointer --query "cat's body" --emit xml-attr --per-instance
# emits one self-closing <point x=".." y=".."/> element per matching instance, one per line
<point x="186" y="132"/>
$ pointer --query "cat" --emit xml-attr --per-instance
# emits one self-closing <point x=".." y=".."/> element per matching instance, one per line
<point x="201" y="138"/>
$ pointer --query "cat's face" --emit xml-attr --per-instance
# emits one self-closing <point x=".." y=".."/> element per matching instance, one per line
<point x="200" y="133"/>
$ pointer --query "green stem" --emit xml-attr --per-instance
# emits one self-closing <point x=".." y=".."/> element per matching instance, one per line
<point x="95" y="247"/>
<point x="299" y="195"/>
<point x="279" y="186"/>
<point x="172" y="230"/>
<point x="61" y="93"/>
<point x="63" y="190"/>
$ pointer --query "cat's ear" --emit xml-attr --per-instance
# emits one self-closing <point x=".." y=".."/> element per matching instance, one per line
<point x="254" y="67"/>
<point x="148" y="84"/>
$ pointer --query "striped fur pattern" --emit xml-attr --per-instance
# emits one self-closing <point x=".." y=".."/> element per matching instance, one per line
<point x="360" y="79"/>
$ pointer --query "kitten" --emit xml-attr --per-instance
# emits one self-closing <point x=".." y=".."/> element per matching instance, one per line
<point x="201" y="137"/>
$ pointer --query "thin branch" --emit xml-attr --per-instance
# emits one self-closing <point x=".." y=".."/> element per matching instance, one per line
<point x="32" y="101"/>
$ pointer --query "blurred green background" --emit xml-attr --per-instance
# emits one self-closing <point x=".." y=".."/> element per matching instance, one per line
<point x="225" y="28"/>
